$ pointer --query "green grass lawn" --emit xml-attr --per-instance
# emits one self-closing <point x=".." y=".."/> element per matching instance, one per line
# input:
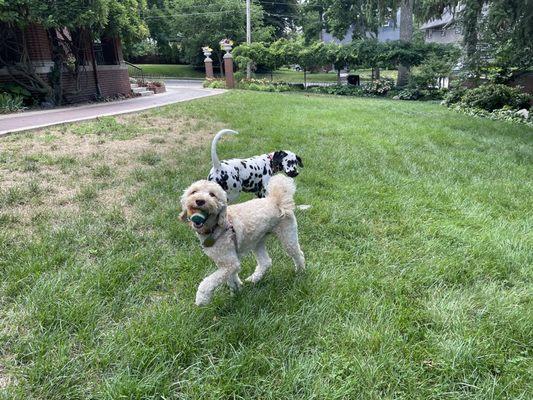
<point x="168" y="71"/>
<point x="283" y="74"/>
<point x="418" y="243"/>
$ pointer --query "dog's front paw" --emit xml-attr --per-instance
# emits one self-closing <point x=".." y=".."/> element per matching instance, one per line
<point x="202" y="299"/>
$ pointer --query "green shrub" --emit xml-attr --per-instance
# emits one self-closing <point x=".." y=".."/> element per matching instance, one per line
<point x="215" y="83"/>
<point x="454" y="96"/>
<point x="263" y="85"/>
<point x="490" y="97"/>
<point x="502" y="114"/>
<point x="11" y="103"/>
<point x="17" y="90"/>
<point x="378" y="87"/>
<point x="340" y="90"/>
<point x="408" y="94"/>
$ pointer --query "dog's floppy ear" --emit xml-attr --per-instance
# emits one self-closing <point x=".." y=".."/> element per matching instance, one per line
<point x="222" y="217"/>
<point x="300" y="163"/>
<point x="277" y="160"/>
<point x="183" y="216"/>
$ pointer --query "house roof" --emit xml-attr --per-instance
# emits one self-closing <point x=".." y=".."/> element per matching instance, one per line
<point x="447" y="18"/>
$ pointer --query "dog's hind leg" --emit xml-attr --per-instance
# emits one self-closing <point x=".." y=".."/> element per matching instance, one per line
<point x="287" y="232"/>
<point x="226" y="271"/>
<point x="263" y="262"/>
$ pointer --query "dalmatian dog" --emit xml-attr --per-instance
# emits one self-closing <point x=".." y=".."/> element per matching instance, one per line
<point x="250" y="174"/>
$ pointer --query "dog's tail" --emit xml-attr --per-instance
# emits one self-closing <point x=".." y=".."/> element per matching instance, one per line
<point x="281" y="189"/>
<point x="214" y="157"/>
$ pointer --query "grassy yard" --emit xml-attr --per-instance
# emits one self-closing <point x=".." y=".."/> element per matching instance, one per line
<point x="168" y="71"/>
<point x="419" y="249"/>
<point x="283" y="74"/>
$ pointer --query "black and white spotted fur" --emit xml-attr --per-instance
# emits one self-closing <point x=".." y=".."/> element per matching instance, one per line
<point x="250" y="174"/>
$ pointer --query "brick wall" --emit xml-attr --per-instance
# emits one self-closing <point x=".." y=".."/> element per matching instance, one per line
<point x="114" y="82"/>
<point x="37" y="43"/>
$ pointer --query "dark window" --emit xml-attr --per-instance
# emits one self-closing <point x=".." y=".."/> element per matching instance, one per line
<point x="105" y="51"/>
<point x="10" y="45"/>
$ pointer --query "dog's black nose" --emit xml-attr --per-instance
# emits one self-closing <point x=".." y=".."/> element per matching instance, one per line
<point x="200" y="202"/>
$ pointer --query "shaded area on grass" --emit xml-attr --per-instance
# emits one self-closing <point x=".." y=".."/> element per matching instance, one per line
<point x="418" y="247"/>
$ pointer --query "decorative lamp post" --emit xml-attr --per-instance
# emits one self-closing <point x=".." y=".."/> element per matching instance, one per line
<point x="226" y="45"/>
<point x="208" y="62"/>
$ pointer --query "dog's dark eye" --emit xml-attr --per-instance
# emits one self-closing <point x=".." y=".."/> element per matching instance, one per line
<point x="193" y="192"/>
<point x="212" y="195"/>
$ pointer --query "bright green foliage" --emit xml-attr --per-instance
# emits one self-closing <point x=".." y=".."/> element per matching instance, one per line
<point x="262" y="56"/>
<point x="10" y="103"/>
<point x="337" y="16"/>
<point x="114" y="16"/>
<point x="492" y="96"/>
<point x="197" y="23"/>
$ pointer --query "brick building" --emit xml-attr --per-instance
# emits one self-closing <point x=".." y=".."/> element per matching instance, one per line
<point x="105" y="53"/>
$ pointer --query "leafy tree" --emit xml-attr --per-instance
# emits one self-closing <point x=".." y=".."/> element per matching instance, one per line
<point x="280" y="14"/>
<point x="339" y="56"/>
<point x="261" y="56"/>
<point x="197" y="23"/>
<point x="495" y="32"/>
<point x="69" y="24"/>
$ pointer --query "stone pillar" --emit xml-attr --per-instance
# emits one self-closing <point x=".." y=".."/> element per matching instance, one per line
<point x="209" y="68"/>
<point x="208" y="63"/>
<point x="226" y="45"/>
<point x="228" y="69"/>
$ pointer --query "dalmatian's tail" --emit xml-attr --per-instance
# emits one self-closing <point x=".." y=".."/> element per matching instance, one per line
<point x="214" y="157"/>
<point x="281" y="189"/>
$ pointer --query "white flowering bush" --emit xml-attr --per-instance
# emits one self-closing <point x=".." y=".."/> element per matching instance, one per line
<point x="501" y="114"/>
<point x="379" y="87"/>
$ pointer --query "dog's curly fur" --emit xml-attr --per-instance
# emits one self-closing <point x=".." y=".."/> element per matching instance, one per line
<point x="241" y="228"/>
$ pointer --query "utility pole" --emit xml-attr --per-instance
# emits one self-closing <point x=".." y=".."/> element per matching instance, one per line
<point x="248" y="36"/>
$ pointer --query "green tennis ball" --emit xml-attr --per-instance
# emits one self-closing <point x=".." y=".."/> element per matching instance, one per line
<point x="198" y="218"/>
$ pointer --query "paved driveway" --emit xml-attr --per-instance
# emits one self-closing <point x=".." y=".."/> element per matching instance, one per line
<point x="177" y="91"/>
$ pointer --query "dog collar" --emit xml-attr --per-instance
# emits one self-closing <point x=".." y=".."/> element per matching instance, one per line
<point x="213" y="236"/>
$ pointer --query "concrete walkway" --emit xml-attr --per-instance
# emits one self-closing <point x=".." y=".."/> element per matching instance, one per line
<point x="177" y="91"/>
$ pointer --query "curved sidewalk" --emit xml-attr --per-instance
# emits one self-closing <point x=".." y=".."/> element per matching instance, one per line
<point x="176" y="92"/>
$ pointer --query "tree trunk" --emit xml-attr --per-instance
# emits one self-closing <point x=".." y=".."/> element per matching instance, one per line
<point x="406" y="35"/>
<point x="338" y="76"/>
<point x="305" y="78"/>
<point x="471" y="15"/>
<point x="57" y="69"/>
<point x="375" y="73"/>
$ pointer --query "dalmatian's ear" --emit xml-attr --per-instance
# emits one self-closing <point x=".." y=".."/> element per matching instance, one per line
<point x="300" y="163"/>
<point x="277" y="160"/>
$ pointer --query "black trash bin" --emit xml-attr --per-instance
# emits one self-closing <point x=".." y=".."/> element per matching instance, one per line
<point x="354" y="80"/>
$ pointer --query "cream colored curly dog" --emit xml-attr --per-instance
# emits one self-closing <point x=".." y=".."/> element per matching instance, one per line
<point x="227" y="233"/>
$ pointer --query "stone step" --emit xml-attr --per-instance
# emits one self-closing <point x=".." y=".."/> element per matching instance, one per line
<point x="138" y="89"/>
<point x="146" y="93"/>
